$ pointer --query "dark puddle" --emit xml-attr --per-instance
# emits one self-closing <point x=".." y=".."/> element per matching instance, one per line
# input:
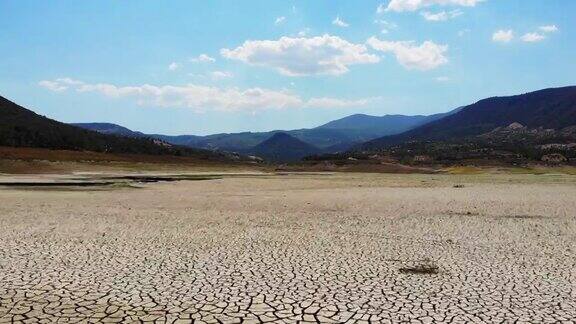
<point x="65" y="186"/>
<point x="104" y="183"/>
<point x="464" y="213"/>
<point x="523" y="217"/>
<point x="154" y="179"/>
<point x="56" y="184"/>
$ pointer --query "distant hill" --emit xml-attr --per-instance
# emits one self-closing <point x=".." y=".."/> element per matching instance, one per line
<point x="282" y="147"/>
<point x="114" y="129"/>
<point x="110" y="129"/>
<point x="20" y="127"/>
<point x="184" y="140"/>
<point x="241" y="142"/>
<point x="336" y="136"/>
<point x="550" y="108"/>
<point x="382" y="125"/>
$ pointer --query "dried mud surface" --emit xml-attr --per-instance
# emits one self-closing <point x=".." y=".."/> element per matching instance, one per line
<point x="289" y="248"/>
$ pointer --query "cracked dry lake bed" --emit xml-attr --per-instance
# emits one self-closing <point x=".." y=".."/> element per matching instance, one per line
<point x="290" y="248"/>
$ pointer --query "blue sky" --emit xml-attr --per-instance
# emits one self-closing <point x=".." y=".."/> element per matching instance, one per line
<point x="201" y="67"/>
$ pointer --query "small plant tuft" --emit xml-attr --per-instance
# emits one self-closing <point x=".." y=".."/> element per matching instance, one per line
<point x="424" y="267"/>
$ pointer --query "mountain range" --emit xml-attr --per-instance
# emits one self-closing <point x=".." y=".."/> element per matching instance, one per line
<point x="553" y="108"/>
<point x="20" y="127"/>
<point x="336" y="136"/>
<point x="544" y="118"/>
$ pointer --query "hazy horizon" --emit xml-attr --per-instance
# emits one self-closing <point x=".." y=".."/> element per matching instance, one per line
<point x="223" y="67"/>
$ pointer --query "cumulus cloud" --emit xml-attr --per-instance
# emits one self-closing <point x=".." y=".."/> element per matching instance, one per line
<point x="532" y="37"/>
<point x="503" y="36"/>
<point x="203" y="58"/>
<point x="413" y="5"/>
<point x="463" y="32"/>
<point x="173" y="66"/>
<point x="442" y="15"/>
<point x="336" y="103"/>
<point x="219" y="75"/>
<point x="539" y="36"/>
<point x="426" y="56"/>
<point x="279" y="20"/>
<point x="339" y="22"/>
<point x="549" y="28"/>
<point x="386" y="25"/>
<point x="53" y="85"/>
<point x="200" y="97"/>
<point x="303" y="32"/>
<point x="60" y="84"/>
<point x="320" y="55"/>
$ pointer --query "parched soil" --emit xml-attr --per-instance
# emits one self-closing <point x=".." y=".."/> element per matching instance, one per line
<point x="288" y="248"/>
<point x="24" y="160"/>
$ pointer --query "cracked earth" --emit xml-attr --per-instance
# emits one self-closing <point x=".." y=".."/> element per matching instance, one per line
<point x="294" y="248"/>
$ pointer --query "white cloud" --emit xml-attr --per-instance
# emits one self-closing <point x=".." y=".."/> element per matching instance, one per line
<point x="69" y="81"/>
<point x="532" y="37"/>
<point x="426" y="56"/>
<point x="53" y="85"/>
<point x="549" y="28"/>
<point x="442" y="15"/>
<point x="219" y="75"/>
<point x="203" y="58"/>
<point x="442" y="79"/>
<point x="381" y="8"/>
<point x="337" y="103"/>
<point x="279" y="20"/>
<point x="320" y="55"/>
<point x="503" y="36"/>
<point x="59" y="84"/>
<point x="413" y="5"/>
<point x="304" y="32"/>
<point x="463" y="32"/>
<point x="385" y="23"/>
<point x="387" y="26"/>
<point x="539" y="36"/>
<point x="203" y="98"/>
<point x="173" y="66"/>
<point x="339" y="22"/>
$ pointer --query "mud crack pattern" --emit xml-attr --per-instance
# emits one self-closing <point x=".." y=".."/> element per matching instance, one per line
<point x="292" y="249"/>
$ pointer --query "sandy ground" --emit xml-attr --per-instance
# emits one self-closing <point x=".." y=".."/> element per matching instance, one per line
<point x="288" y="248"/>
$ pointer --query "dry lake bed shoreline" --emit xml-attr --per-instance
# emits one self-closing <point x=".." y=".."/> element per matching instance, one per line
<point x="287" y="248"/>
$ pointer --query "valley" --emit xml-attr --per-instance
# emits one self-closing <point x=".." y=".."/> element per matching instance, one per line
<point x="536" y="127"/>
<point x="287" y="162"/>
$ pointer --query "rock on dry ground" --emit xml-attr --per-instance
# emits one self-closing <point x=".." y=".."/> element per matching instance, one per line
<point x="352" y="248"/>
